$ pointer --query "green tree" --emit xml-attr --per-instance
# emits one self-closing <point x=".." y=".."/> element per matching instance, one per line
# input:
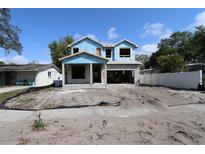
<point x="1" y="63"/>
<point x="170" y="63"/>
<point x="199" y="43"/>
<point x="9" y="39"/>
<point x="59" y="49"/>
<point x="180" y="47"/>
<point x="144" y="59"/>
<point x="178" y="43"/>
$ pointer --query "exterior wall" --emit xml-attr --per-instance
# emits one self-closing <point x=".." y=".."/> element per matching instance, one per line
<point x="83" y="59"/>
<point x="69" y="79"/>
<point x="42" y="78"/>
<point x="87" y="45"/>
<point x="18" y="76"/>
<point x="26" y="76"/>
<point x="103" y="54"/>
<point x="104" y="69"/>
<point x="185" y="80"/>
<point x="124" y="45"/>
<point x="122" y="66"/>
<point x="90" y="46"/>
<point x="134" y="68"/>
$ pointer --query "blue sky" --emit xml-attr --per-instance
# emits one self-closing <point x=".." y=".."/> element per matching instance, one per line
<point x="145" y="27"/>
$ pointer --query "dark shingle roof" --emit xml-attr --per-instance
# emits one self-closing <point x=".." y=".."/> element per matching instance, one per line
<point x="26" y="67"/>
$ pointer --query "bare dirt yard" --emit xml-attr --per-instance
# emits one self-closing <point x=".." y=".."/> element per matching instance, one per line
<point x="147" y="115"/>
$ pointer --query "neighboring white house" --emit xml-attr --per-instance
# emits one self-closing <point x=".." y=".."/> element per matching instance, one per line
<point x="29" y="75"/>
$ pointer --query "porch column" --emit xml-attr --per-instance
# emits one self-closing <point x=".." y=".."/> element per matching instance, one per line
<point x="136" y="76"/>
<point x="91" y="73"/>
<point x="63" y="75"/>
<point x="105" y="73"/>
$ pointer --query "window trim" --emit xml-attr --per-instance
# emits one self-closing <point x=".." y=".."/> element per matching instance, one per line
<point x="125" y="56"/>
<point x="106" y="53"/>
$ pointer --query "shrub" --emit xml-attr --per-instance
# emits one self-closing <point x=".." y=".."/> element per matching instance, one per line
<point x="38" y="123"/>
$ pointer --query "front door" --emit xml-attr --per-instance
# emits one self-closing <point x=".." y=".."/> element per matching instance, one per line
<point x="97" y="73"/>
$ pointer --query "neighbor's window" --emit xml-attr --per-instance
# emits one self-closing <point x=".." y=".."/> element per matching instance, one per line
<point x="108" y="53"/>
<point x="49" y="74"/>
<point x="75" y="50"/>
<point x="78" y="72"/>
<point x="124" y="52"/>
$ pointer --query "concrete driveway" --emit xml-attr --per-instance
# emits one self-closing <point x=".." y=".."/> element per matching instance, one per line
<point x="12" y="88"/>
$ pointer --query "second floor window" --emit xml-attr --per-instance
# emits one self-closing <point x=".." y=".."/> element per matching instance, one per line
<point x="108" y="53"/>
<point x="124" y="52"/>
<point x="98" y="51"/>
<point x="75" y="50"/>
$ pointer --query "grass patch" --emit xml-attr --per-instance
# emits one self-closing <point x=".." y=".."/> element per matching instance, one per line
<point x="38" y="123"/>
<point x="27" y="100"/>
<point x="24" y="141"/>
<point x="4" y="96"/>
<point x="51" y="89"/>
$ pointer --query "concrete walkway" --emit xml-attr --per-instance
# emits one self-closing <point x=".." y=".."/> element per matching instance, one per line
<point x="12" y="88"/>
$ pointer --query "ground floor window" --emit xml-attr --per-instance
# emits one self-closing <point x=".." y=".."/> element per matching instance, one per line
<point x="78" y="72"/>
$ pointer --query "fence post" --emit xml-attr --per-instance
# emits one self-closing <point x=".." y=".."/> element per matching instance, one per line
<point x="201" y="77"/>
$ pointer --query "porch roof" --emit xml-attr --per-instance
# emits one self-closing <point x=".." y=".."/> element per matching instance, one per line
<point x="83" y="58"/>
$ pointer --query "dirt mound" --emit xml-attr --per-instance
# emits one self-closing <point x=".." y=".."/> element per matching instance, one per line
<point x="55" y="98"/>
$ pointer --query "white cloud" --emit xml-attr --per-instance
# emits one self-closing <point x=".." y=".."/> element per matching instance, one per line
<point x="160" y="30"/>
<point x="155" y="29"/>
<point x="17" y="60"/>
<point x="112" y="34"/>
<point x="198" y="21"/>
<point x="166" y="34"/>
<point x="148" y="49"/>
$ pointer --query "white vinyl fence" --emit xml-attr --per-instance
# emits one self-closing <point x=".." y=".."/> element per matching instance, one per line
<point x="184" y="80"/>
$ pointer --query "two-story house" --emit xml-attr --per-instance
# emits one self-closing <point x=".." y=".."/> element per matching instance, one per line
<point x="91" y="62"/>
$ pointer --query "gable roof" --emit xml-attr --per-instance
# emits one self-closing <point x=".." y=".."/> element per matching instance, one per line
<point x="79" y="53"/>
<point x="126" y="40"/>
<point x="103" y="44"/>
<point x="26" y="67"/>
<point x="86" y="37"/>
